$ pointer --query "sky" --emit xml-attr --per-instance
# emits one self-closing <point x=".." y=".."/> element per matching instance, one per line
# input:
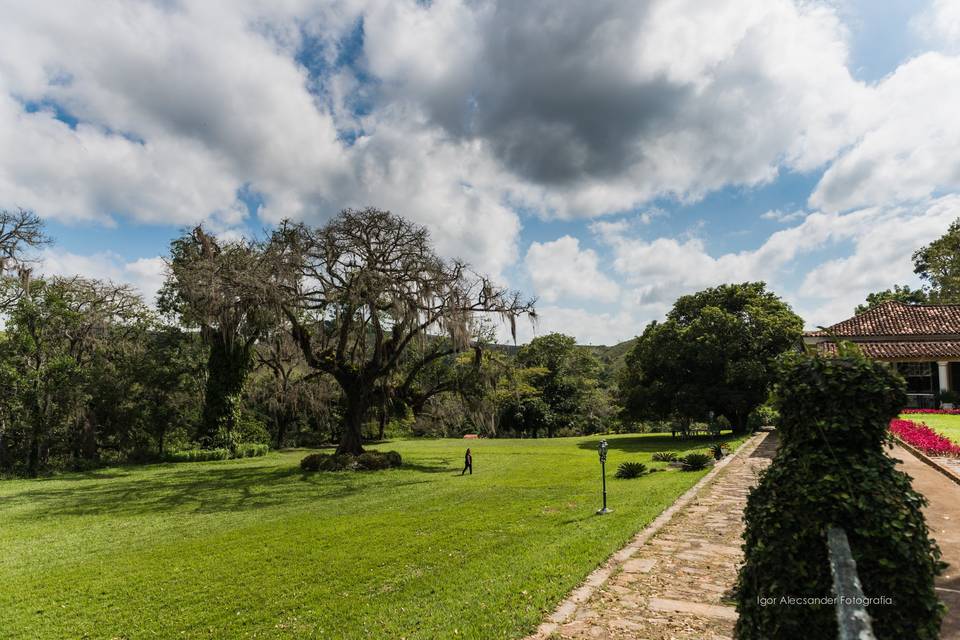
<point x="604" y="157"/>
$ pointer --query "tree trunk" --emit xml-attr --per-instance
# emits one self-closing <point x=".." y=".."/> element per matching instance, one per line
<point x="227" y="369"/>
<point x="88" y="441"/>
<point x="351" y="436"/>
<point x="33" y="461"/>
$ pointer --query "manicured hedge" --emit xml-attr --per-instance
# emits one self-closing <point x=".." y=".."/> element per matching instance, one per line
<point x="832" y="469"/>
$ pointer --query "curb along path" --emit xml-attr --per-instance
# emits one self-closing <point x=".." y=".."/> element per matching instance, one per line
<point x="670" y="582"/>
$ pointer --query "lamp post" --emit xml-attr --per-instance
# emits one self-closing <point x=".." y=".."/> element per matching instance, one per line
<point x="602" y="450"/>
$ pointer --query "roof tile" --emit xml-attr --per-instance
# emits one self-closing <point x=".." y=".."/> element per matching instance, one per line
<point x="898" y="319"/>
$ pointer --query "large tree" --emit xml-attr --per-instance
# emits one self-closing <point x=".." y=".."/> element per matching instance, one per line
<point x="220" y="288"/>
<point x="938" y="265"/>
<point x="712" y="354"/>
<point x="362" y="291"/>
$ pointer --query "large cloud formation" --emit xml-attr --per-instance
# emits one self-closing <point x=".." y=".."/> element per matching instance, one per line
<point x="467" y="115"/>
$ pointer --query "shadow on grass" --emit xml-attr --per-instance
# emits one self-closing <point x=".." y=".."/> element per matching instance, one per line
<point x="637" y="443"/>
<point x="187" y="489"/>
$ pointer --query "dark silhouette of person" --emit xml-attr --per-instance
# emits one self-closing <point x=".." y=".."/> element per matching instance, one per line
<point x="467" y="462"/>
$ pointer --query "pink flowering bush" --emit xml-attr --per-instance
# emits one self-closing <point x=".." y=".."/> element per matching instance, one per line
<point x="949" y="412"/>
<point x="922" y="437"/>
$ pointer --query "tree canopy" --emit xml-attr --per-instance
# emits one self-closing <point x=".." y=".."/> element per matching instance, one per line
<point x="360" y="291"/>
<point x="938" y="265"/>
<point x="713" y="355"/>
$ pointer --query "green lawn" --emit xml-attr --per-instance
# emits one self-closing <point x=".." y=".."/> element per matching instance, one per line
<point x="944" y="424"/>
<point x="254" y="548"/>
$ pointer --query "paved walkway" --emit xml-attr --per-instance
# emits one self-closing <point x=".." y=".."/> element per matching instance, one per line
<point x="943" y="519"/>
<point x="673" y="586"/>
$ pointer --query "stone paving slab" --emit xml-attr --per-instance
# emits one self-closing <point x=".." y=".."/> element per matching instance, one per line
<point x="673" y="585"/>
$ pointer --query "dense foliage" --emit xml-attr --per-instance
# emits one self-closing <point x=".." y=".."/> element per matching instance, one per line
<point x="831" y="470"/>
<point x="712" y="356"/>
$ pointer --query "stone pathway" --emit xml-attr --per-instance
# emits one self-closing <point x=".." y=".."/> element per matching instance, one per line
<point x="673" y="586"/>
<point x="943" y="519"/>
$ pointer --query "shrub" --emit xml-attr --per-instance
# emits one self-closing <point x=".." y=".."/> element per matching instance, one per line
<point x="366" y="461"/>
<point x="252" y="450"/>
<point x="313" y="461"/>
<point x="831" y="470"/>
<point x="197" y="455"/>
<point x="372" y="461"/>
<point x="695" y="461"/>
<point x="664" y="456"/>
<point x="250" y="430"/>
<point x="628" y="470"/>
<point x="394" y="458"/>
<point x="718" y="450"/>
<point x="924" y="438"/>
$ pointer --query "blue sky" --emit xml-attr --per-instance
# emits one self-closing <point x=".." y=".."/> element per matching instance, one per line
<point x="605" y="160"/>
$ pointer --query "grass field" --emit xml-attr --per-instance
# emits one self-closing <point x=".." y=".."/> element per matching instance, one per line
<point x="253" y="548"/>
<point x="944" y="424"/>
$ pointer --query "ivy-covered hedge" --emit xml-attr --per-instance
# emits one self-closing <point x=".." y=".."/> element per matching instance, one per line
<point x="831" y="469"/>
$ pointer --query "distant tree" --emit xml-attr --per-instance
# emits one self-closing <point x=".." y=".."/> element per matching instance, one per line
<point x="713" y="353"/>
<point x="62" y="338"/>
<point x="362" y="290"/>
<point x="222" y="289"/>
<point x="570" y="375"/>
<point x="899" y="294"/>
<point x="19" y="230"/>
<point x="938" y="265"/>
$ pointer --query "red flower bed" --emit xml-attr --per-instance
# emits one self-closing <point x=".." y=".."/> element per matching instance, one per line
<point x="951" y="412"/>
<point x="922" y="437"/>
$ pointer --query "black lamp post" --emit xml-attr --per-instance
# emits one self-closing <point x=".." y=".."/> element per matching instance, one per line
<point x="602" y="450"/>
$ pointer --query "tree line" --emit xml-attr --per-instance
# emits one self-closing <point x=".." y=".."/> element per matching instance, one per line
<point x="352" y="331"/>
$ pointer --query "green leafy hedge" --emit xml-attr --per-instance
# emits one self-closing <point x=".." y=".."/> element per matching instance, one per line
<point x="831" y="469"/>
<point x="205" y="455"/>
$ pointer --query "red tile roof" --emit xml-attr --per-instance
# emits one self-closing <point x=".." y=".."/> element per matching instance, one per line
<point x="913" y="350"/>
<point x="899" y="319"/>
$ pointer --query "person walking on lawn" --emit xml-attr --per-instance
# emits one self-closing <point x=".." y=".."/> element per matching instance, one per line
<point x="467" y="462"/>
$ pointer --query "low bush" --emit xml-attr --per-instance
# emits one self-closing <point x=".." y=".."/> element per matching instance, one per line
<point x="664" y="456"/>
<point x="718" y="450"/>
<point x="313" y="461"/>
<point x="251" y="450"/>
<point x="628" y="470"/>
<point x="197" y="455"/>
<point x="366" y="461"/>
<point x="922" y="437"/>
<point x="695" y="461"/>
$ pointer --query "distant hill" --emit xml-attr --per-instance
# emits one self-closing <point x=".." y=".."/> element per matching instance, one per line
<point x="614" y="356"/>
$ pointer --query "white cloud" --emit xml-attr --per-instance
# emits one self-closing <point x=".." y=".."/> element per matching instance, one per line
<point x="906" y="149"/>
<point x="940" y="24"/>
<point x="783" y="216"/>
<point x="561" y="269"/>
<point x="589" y="327"/>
